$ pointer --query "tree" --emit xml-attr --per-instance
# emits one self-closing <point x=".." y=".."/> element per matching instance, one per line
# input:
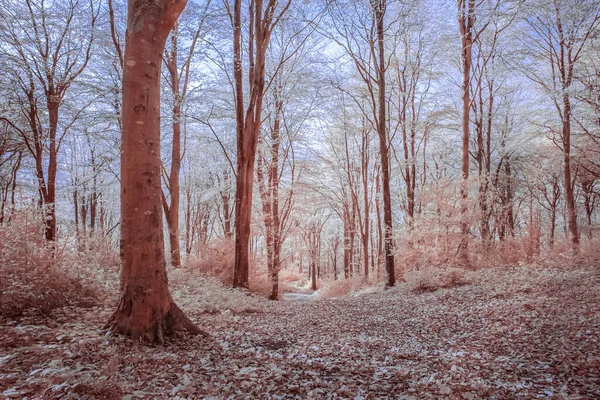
<point x="11" y="155"/>
<point x="559" y="34"/>
<point x="363" y="41"/>
<point x="268" y="173"/>
<point x="486" y="84"/>
<point x="47" y="56"/>
<point x="469" y="34"/>
<point x="263" y="20"/>
<point x="412" y="113"/>
<point x="179" y="78"/>
<point x="311" y="235"/>
<point x="382" y="132"/>
<point x="146" y="310"/>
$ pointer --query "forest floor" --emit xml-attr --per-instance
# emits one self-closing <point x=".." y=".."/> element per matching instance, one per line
<point x="524" y="333"/>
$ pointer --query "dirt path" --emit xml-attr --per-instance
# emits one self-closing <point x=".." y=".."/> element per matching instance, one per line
<point x="296" y="296"/>
<point x="517" y="335"/>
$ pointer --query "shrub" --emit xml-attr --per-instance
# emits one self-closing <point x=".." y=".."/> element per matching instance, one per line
<point x="431" y="279"/>
<point x="32" y="275"/>
<point x="198" y="293"/>
<point x="215" y="260"/>
<point x="291" y="281"/>
<point x="341" y="287"/>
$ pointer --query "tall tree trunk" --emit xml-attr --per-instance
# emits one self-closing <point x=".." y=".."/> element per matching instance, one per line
<point x="263" y="19"/>
<point x="274" y="188"/>
<point x="334" y="261"/>
<point x="171" y="208"/>
<point x="313" y="270"/>
<point x="380" y="8"/>
<point x="379" y="227"/>
<point x="93" y="196"/>
<point x="347" y="228"/>
<point x="50" y="200"/>
<point x="76" y="207"/>
<point x="568" y="183"/>
<point x="225" y="197"/>
<point x="366" y="205"/>
<point x="146" y="310"/>
<point x="552" y="226"/>
<point x="589" y="202"/>
<point x="465" y="20"/>
<point x="188" y="220"/>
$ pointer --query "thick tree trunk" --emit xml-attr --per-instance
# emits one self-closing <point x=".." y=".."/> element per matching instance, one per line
<point x="243" y="219"/>
<point x="146" y="311"/>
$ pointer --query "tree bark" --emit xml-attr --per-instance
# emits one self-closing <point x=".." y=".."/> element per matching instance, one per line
<point x="466" y="18"/>
<point x="172" y="209"/>
<point x="146" y="310"/>
<point x="383" y="147"/>
<point x="568" y="183"/>
<point x="262" y="21"/>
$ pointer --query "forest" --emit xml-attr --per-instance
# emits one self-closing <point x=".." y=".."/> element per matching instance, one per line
<point x="299" y="199"/>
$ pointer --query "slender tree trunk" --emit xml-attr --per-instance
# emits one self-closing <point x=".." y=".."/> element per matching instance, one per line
<point x="552" y="225"/>
<point x="352" y="233"/>
<point x="347" y="228"/>
<point x="146" y="310"/>
<point x="313" y="271"/>
<point x="465" y="20"/>
<point x="568" y="183"/>
<point x="274" y="187"/>
<point x="589" y="204"/>
<point x="225" y="197"/>
<point x="379" y="227"/>
<point x="94" y="194"/>
<point x="11" y="185"/>
<point x="76" y="207"/>
<point x="171" y="209"/>
<point x="366" y="205"/>
<point x="188" y="220"/>
<point x="334" y="261"/>
<point x="383" y="147"/>
<point x="50" y="200"/>
<point x="247" y="129"/>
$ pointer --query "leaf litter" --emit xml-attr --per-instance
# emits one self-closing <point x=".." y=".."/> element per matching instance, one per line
<point x="523" y="333"/>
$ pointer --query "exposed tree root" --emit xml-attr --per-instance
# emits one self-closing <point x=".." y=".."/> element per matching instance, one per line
<point x="152" y="331"/>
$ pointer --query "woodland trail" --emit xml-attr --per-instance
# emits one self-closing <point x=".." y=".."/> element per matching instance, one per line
<point x="296" y="296"/>
<point x="524" y="334"/>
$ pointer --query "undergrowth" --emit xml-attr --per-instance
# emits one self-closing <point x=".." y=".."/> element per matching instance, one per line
<point x="35" y="277"/>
